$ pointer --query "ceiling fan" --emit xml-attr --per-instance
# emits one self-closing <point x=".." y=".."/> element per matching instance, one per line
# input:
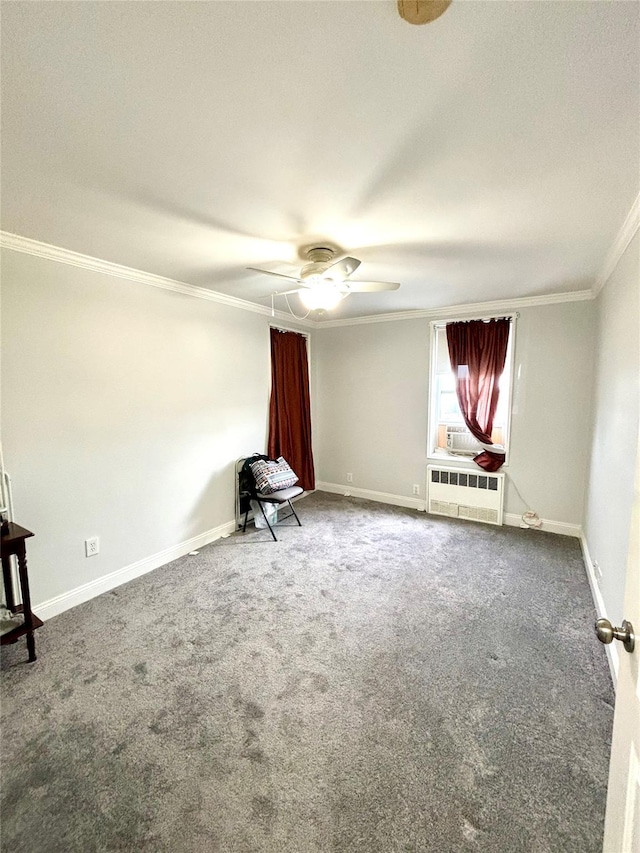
<point x="323" y="282"/>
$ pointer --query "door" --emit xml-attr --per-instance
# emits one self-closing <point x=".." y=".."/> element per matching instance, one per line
<point x="622" y="822"/>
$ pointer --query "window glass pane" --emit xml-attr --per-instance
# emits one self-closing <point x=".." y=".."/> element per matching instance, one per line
<point x="449" y="409"/>
<point x="442" y="365"/>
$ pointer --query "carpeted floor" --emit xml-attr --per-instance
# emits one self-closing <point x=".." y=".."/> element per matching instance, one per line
<point x="378" y="681"/>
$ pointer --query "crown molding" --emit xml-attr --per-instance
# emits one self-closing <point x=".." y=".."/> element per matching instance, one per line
<point x="27" y="246"/>
<point x="499" y="306"/>
<point x="624" y="237"/>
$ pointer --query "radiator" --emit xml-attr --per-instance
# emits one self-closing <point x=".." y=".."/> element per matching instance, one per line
<point x="465" y="494"/>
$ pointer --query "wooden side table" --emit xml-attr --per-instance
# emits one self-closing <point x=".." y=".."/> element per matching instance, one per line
<point x="13" y="543"/>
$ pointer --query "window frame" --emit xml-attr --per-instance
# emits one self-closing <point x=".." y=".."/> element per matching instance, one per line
<point x="432" y="414"/>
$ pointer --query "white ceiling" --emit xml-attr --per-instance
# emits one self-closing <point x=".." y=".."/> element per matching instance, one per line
<point x="489" y="155"/>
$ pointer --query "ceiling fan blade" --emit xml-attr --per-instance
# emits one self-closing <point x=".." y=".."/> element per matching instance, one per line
<point x="369" y="286"/>
<point x="276" y="274"/>
<point x="344" y="267"/>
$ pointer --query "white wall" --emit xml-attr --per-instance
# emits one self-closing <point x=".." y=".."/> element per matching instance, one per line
<point x="372" y="400"/>
<point x="549" y="447"/>
<point x="615" y="427"/>
<point x="371" y="404"/>
<point x="124" y="408"/>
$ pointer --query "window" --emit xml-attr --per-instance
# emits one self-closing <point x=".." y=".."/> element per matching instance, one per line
<point x="448" y="434"/>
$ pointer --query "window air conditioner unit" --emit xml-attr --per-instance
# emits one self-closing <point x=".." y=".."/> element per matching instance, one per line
<point x="460" y="440"/>
<point x="465" y="494"/>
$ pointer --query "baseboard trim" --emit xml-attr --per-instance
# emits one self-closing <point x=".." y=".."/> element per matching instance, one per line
<point x="601" y="610"/>
<point x="54" y="606"/>
<point x="367" y="494"/>
<point x="513" y="520"/>
<point x="562" y="528"/>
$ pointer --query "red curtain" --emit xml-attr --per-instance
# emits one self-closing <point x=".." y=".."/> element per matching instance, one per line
<point x="290" y="408"/>
<point x="477" y="351"/>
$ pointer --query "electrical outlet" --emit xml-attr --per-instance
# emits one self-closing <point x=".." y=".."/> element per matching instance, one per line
<point x="416" y="489"/>
<point x="349" y="478"/>
<point x="91" y="546"/>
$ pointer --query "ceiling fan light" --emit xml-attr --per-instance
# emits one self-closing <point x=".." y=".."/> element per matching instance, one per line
<point x="323" y="298"/>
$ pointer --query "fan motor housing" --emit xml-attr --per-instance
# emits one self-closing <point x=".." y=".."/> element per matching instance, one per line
<point x="320" y="258"/>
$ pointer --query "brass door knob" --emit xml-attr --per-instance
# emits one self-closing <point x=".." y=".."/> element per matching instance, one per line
<point x="606" y="633"/>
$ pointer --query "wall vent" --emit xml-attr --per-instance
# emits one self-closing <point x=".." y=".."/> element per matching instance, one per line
<point x="443" y="508"/>
<point x="465" y="494"/>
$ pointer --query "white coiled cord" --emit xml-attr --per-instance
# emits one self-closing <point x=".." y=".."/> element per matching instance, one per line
<point x="529" y="517"/>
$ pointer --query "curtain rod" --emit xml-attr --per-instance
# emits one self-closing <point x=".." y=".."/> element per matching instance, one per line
<point x="513" y="316"/>
<point x="285" y="329"/>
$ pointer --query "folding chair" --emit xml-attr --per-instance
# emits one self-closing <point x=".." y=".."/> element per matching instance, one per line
<point x="249" y="492"/>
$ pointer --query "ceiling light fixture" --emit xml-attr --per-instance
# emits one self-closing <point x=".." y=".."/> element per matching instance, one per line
<point x="323" y="295"/>
<point x="324" y="282"/>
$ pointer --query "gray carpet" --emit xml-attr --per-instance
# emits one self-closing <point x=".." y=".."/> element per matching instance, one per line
<point x="377" y="681"/>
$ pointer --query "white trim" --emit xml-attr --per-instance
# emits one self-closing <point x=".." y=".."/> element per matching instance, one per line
<point x="442" y="322"/>
<point x="511" y="352"/>
<point x="65" y="256"/>
<point x="601" y="610"/>
<point x="499" y="308"/>
<point x="462" y="463"/>
<point x="628" y="822"/>
<point x="431" y="411"/>
<point x="624" y="237"/>
<point x="47" y="609"/>
<point x="282" y="328"/>
<point x="27" y="246"/>
<point x="562" y="528"/>
<point x="513" y="520"/>
<point x="380" y="497"/>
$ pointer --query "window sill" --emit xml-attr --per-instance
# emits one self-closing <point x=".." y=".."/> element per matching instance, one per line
<point x="464" y="462"/>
